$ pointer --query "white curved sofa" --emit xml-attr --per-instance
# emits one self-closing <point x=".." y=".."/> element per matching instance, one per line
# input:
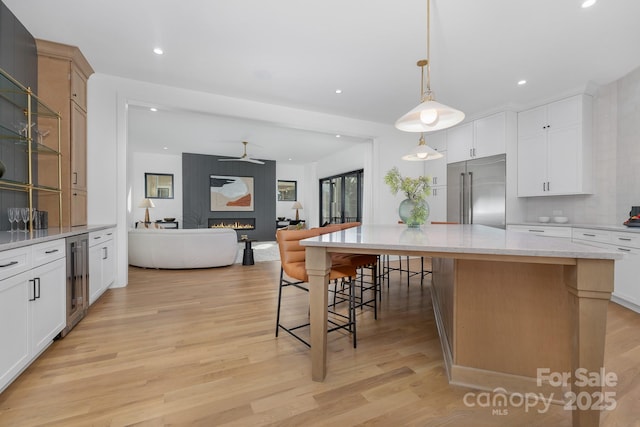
<point x="182" y="248"/>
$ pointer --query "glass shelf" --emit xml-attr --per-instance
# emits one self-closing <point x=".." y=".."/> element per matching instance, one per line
<point x="27" y="125"/>
<point x="11" y="134"/>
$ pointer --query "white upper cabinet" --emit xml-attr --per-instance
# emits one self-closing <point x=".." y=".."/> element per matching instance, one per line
<point x="459" y="143"/>
<point x="436" y="140"/>
<point x="554" y="148"/>
<point x="481" y="138"/>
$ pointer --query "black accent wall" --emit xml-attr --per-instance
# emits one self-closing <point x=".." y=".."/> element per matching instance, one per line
<point x="196" y="203"/>
<point x="18" y="57"/>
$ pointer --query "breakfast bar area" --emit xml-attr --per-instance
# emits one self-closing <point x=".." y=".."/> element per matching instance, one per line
<point x="510" y="308"/>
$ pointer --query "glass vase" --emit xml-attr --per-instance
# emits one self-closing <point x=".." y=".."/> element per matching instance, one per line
<point x="412" y="213"/>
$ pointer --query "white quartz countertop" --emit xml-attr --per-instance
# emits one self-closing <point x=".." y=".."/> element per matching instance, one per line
<point x="450" y="238"/>
<point x="17" y="239"/>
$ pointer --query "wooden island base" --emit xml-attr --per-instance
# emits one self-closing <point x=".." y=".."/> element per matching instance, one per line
<point x="506" y="305"/>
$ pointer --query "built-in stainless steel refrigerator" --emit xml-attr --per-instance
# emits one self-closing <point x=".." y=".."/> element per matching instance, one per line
<point x="476" y="191"/>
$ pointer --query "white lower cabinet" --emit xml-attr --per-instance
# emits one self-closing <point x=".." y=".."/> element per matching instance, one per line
<point x="48" y="310"/>
<point x="102" y="263"/>
<point x="437" y="201"/>
<point x="14" y="327"/>
<point x="626" y="290"/>
<point x="32" y="304"/>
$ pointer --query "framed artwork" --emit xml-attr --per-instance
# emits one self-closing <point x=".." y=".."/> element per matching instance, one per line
<point x="158" y="185"/>
<point x="231" y="193"/>
<point x="287" y="191"/>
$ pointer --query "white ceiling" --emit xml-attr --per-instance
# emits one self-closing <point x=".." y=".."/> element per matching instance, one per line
<point x="297" y="53"/>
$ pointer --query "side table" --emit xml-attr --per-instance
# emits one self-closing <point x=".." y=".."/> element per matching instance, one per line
<point x="247" y="255"/>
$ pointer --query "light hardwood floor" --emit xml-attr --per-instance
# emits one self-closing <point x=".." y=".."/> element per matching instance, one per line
<point x="197" y="348"/>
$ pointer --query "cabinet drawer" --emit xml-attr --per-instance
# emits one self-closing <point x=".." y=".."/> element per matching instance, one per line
<point x="14" y="261"/>
<point x="631" y="240"/>
<point x="591" y="235"/>
<point x="97" y="237"/>
<point x="542" y="230"/>
<point x="48" y="251"/>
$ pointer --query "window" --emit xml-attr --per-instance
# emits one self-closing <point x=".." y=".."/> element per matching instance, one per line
<point x="341" y="198"/>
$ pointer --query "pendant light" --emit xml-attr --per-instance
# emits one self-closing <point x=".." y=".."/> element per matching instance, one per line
<point x="429" y="115"/>
<point x="422" y="152"/>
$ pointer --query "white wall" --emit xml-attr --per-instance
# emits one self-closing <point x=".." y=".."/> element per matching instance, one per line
<point x="155" y="163"/>
<point x="288" y="172"/>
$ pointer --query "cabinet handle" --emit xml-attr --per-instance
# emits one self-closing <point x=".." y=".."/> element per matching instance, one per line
<point x="9" y="264"/>
<point x="435" y="180"/>
<point x="97" y="237"/>
<point x="536" y="231"/>
<point x="38" y="281"/>
<point x="52" y="251"/>
<point x="34" y="289"/>
<point x="470" y="152"/>
<point x="75" y="178"/>
<point x="624" y="239"/>
<point x="105" y="252"/>
<point x="588" y="235"/>
<point x="109" y="234"/>
<point x="548" y="186"/>
<point x="544" y="186"/>
<point x="624" y="249"/>
<point x="75" y="95"/>
<point x="435" y="192"/>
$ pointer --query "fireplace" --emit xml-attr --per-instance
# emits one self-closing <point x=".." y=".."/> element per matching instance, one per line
<point x="233" y="223"/>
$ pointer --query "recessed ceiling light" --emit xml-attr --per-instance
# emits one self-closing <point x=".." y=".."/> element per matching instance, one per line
<point x="165" y="148"/>
<point x="588" y="3"/>
<point x="338" y="136"/>
<point x="290" y="158"/>
<point x="338" y="90"/>
<point x="158" y="51"/>
<point x="153" y="109"/>
<point x="522" y="82"/>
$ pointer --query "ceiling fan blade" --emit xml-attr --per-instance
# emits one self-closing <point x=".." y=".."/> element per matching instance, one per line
<point x="243" y="159"/>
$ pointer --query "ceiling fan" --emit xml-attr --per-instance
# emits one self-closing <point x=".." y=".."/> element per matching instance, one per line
<point x="244" y="157"/>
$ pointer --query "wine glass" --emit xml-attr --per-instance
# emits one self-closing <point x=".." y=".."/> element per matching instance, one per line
<point x="11" y="213"/>
<point x="24" y="213"/>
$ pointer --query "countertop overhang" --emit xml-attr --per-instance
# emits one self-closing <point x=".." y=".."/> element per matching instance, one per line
<point x="456" y="239"/>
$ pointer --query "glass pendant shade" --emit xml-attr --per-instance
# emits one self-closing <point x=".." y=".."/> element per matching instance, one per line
<point x="429" y="116"/>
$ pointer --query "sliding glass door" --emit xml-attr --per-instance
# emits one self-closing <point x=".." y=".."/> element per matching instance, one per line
<point x="341" y="198"/>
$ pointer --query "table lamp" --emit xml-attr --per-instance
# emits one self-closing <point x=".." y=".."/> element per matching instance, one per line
<point x="146" y="203"/>
<point x="297" y="206"/>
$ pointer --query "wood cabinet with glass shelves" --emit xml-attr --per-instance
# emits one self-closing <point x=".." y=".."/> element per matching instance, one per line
<point x="29" y="148"/>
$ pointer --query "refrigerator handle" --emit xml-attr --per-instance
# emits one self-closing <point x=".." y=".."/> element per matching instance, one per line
<point x="470" y="197"/>
<point x="461" y="210"/>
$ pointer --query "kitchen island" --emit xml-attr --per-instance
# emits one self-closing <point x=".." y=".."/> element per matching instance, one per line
<point x="510" y="308"/>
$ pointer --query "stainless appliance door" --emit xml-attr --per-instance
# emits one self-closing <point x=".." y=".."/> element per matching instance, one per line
<point x="487" y="190"/>
<point x="456" y="200"/>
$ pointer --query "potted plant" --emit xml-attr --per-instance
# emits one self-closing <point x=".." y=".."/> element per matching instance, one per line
<point x="414" y="210"/>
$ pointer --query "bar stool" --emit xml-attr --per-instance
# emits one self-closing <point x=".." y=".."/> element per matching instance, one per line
<point x="292" y="258"/>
